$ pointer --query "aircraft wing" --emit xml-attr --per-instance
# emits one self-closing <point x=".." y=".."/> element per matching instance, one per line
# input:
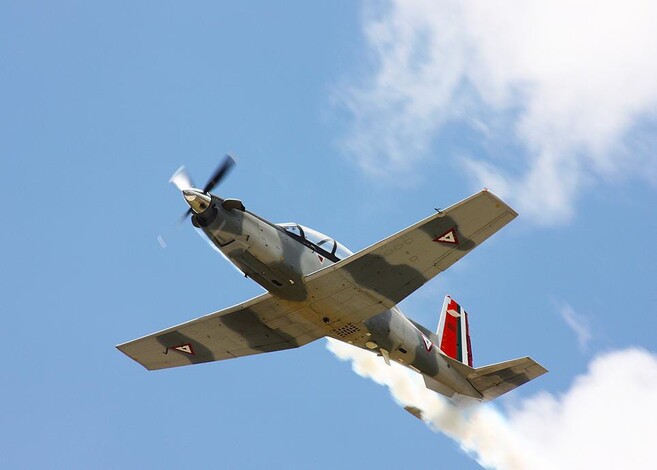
<point x="263" y="324"/>
<point x="379" y="277"/>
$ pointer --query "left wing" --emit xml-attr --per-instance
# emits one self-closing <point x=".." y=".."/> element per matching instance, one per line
<point x="379" y="277"/>
<point x="262" y="324"/>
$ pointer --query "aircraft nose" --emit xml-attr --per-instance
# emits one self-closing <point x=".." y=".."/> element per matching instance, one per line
<point x="197" y="199"/>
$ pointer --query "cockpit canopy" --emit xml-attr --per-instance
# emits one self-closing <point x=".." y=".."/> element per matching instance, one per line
<point x="317" y="241"/>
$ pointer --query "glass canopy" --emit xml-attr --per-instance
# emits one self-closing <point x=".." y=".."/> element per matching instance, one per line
<point x="317" y="240"/>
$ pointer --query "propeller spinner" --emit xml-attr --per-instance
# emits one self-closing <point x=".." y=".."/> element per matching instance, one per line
<point x="199" y="199"/>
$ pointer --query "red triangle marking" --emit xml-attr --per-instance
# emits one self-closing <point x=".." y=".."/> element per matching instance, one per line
<point x="184" y="348"/>
<point x="448" y="237"/>
<point x="321" y="259"/>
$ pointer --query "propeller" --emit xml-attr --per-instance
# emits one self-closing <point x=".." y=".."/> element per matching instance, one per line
<point x="182" y="180"/>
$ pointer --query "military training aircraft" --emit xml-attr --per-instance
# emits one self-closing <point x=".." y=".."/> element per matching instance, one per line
<point x="316" y="287"/>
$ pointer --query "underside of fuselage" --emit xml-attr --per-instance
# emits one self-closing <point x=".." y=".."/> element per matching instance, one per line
<point x="279" y="261"/>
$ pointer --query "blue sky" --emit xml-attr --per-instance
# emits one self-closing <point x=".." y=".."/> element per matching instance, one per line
<point x="356" y="120"/>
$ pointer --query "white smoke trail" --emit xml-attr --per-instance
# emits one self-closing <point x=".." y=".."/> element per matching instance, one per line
<point x="479" y="430"/>
<point x="606" y="420"/>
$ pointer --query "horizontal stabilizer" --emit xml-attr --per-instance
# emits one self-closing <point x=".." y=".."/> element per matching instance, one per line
<point x="497" y="379"/>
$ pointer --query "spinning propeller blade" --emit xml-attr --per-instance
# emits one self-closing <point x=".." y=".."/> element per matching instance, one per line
<point x="219" y="174"/>
<point x="181" y="179"/>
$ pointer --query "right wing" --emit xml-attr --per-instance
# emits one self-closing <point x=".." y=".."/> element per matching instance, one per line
<point x="379" y="277"/>
<point x="263" y="324"/>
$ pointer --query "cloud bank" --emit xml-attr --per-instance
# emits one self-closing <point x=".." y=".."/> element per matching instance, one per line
<point x="567" y="90"/>
<point x="607" y="419"/>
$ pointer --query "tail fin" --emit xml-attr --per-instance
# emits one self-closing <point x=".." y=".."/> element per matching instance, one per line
<point x="454" y="332"/>
<point x="489" y="381"/>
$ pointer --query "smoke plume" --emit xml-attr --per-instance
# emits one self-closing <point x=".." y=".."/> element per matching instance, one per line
<point x="607" y="419"/>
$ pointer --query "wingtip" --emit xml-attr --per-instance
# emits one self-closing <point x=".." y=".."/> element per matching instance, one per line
<point x="499" y="199"/>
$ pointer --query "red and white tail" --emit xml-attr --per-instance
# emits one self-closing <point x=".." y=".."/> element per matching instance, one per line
<point x="454" y="332"/>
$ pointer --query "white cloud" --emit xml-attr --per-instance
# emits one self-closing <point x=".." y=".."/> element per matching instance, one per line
<point x="566" y="79"/>
<point x="607" y="419"/>
<point x="578" y="323"/>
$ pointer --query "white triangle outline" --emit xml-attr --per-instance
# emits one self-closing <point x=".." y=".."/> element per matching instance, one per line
<point x="186" y="348"/>
<point x="448" y="237"/>
<point x="427" y="343"/>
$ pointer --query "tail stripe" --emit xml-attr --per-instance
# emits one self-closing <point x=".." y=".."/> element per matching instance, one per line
<point x="467" y="340"/>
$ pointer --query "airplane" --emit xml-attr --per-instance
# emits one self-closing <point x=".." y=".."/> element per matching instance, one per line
<point x="316" y="287"/>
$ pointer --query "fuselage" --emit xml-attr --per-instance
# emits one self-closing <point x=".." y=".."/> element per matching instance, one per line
<point x="280" y="256"/>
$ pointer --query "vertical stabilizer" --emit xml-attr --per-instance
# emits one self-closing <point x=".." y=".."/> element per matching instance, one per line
<point x="454" y="332"/>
